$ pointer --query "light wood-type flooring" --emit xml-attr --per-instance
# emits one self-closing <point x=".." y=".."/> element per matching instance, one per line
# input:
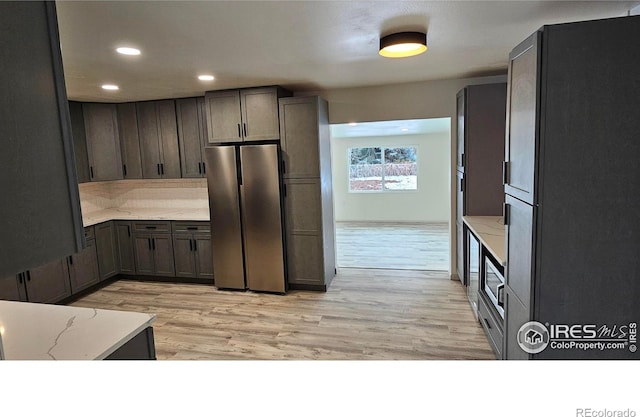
<point x="419" y="246"/>
<point x="365" y="314"/>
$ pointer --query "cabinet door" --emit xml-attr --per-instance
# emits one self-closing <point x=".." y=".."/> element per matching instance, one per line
<point x="299" y="122"/>
<point x="183" y="249"/>
<point x="522" y="128"/>
<point x="304" y="259"/>
<point x="107" y="250"/>
<point x="125" y="248"/>
<point x="48" y="283"/>
<point x="79" y="142"/>
<point x="83" y="268"/>
<point x="170" y="167"/>
<point x="260" y="114"/>
<point x="460" y="250"/>
<point x="460" y="196"/>
<point x="189" y="132"/>
<point x="129" y="140"/>
<point x="101" y="127"/>
<point x="12" y="288"/>
<point x="472" y="268"/>
<point x="202" y="121"/>
<point x="163" y="255"/>
<point x="515" y="315"/>
<point x="149" y="143"/>
<point x="224" y="120"/>
<point x="204" y="257"/>
<point x="144" y="254"/>
<point x="460" y="118"/>
<point x="519" y="231"/>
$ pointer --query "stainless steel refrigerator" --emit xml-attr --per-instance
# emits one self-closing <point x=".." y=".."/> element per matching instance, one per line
<point x="245" y="203"/>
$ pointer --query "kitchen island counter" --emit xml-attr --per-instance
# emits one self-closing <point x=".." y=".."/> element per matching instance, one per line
<point x="33" y="331"/>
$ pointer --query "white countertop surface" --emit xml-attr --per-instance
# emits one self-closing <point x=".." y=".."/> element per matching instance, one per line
<point x="491" y="232"/>
<point x="33" y="331"/>
<point x="188" y="214"/>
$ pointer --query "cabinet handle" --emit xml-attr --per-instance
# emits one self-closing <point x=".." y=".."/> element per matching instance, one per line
<point x="204" y="168"/>
<point x="20" y="280"/>
<point x="462" y="160"/>
<point x="153" y="243"/>
<point x="128" y="231"/>
<point x="239" y="132"/>
<point x="124" y="169"/>
<point x="245" y="129"/>
<point x="28" y="275"/>
<point x="91" y="171"/>
<point x="195" y="245"/>
<point x="199" y="167"/>
<point x="462" y="181"/>
<point x="149" y="242"/>
<point x="285" y="190"/>
<point x="505" y="213"/>
<point x="192" y="228"/>
<point x="505" y="175"/>
<point x="487" y="323"/>
<point x="70" y="260"/>
<point x="190" y="245"/>
<point x="150" y="227"/>
<point x="162" y="169"/>
<point x="284" y="167"/>
<point x="158" y="166"/>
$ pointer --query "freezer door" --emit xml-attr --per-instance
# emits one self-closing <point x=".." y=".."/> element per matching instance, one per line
<point x="262" y="219"/>
<point x="224" y="208"/>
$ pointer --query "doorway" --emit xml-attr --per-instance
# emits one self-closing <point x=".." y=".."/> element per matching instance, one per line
<point x="391" y="194"/>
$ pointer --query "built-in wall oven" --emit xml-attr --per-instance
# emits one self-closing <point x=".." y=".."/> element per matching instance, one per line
<point x="492" y="282"/>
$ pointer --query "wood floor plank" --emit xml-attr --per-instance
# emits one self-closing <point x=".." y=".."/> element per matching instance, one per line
<point x="366" y="314"/>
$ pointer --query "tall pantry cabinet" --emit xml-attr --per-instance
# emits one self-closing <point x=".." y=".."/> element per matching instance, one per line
<point x="310" y="235"/>
<point x="572" y="184"/>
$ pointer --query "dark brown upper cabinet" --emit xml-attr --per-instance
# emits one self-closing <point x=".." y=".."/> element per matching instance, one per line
<point x="191" y="134"/>
<point x="40" y="208"/>
<point x="103" y="144"/>
<point x="158" y="132"/>
<point x="249" y="114"/>
<point x="129" y="141"/>
<point x="79" y="142"/>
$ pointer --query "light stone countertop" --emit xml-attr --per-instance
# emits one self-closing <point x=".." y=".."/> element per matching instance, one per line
<point x="491" y="232"/>
<point x="187" y="214"/>
<point x="33" y="331"/>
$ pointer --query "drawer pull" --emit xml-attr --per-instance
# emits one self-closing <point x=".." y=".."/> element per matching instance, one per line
<point x="192" y="228"/>
<point x="150" y="227"/>
<point x="487" y="323"/>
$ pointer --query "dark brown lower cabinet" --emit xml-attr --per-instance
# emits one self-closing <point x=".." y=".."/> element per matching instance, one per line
<point x="126" y="253"/>
<point x="193" y="256"/>
<point x="48" y="283"/>
<point x="107" y="247"/>
<point x="154" y="254"/>
<point x="12" y="289"/>
<point x="83" y="268"/>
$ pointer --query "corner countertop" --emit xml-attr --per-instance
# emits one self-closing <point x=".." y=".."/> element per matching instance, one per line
<point x="491" y="232"/>
<point x="187" y="214"/>
<point x="33" y="331"/>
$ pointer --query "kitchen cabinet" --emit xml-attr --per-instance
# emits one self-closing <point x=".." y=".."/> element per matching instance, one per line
<point x="129" y="140"/>
<point x="191" y="134"/>
<point x="153" y="249"/>
<point x="192" y="250"/>
<point x="48" y="283"/>
<point x="83" y="268"/>
<point x="79" y="142"/>
<point x="12" y="288"/>
<point x="573" y="183"/>
<point x="243" y="115"/>
<point x="472" y="269"/>
<point x="103" y="144"/>
<point x="158" y="132"/>
<point x="106" y="245"/>
<point x="40" y="212"/>
<point x="308" y="199"/>
<point x="480" y="122"/>
<point x="126" y="253"/>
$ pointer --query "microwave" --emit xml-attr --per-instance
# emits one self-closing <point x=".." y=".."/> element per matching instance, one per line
<point x="492" y="284"/>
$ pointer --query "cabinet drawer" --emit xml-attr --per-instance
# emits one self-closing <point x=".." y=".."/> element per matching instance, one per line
<point x="89" y="233"/>
<point x="153" y="227"/>
<point x="490" y="326"/>
<point x="192" y="227"/>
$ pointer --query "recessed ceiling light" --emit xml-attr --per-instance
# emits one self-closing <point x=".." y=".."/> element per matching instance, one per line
<point x="205" y="77"/>
<point x="353" y="124"/>
<point x="403" y="44"/>
<point x="124" y="50"/>
<point x="110" y="87"/>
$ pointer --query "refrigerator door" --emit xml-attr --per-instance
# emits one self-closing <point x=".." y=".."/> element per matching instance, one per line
<point x="262" y="218"/>
<point x="224" y="208"/>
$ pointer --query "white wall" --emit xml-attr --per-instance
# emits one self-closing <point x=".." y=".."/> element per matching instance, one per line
<point x="417" y="100"/>
<point x="430" y="203"/>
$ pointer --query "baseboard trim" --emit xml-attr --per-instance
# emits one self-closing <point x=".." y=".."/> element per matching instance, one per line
<point x="308" y="287"/>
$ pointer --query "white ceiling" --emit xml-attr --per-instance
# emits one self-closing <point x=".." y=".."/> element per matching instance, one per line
<point x="302" y="45"/>
<point x="391" y="128"/>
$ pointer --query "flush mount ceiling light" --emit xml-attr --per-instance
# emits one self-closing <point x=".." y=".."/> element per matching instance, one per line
<point x="124" y="50"/>
<point x="205" y="77"/>
<point x="110" y="87"/>
<point x="403" y="44"/>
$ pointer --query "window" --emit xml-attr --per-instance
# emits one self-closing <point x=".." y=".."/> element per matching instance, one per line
<point x="383" y="169"/>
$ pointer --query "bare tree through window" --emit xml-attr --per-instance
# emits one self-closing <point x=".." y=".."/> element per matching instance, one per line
<point x="383" y="169"/>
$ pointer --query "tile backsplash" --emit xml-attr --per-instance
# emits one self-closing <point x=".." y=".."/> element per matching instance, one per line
<point x="175" y="193"/>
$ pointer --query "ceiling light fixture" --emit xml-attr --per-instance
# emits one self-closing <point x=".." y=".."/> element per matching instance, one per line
<point x="206" y="77"/>
<point x="403" y="44"/>
<point x="353" y="124"/>
<point x="110" y="87"/>
<point x="128" y="51"/>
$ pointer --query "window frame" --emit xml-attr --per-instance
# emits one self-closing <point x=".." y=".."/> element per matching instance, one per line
<point x="382" y="154"/>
